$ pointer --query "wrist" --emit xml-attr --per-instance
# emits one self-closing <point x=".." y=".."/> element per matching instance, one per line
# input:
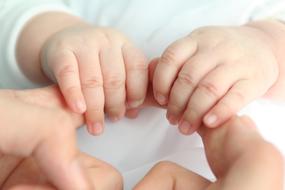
<point x="275" y="32"/>
<point x="33" y="37"/>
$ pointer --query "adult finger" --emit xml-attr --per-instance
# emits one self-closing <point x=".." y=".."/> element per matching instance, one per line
<point x="53" y="146"/>
<point x="170" y="176"/>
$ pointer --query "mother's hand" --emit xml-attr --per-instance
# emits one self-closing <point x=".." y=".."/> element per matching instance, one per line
<point x="238" y="156"/>
<point x="38" y="145"/>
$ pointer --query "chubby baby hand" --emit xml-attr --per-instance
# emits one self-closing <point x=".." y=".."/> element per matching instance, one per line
<point x="209" y="75"/>
<point x="98" y="70"/>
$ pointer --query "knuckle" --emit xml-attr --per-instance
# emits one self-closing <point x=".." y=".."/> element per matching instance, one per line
<point x="71" y="90"/>
<point x="238" y="96"/>
<point x="191" y="114"/>
<point x="209" y="88"/>
<point x="169" y="57"/>
<point x="103" y="37"/>
<point x="199" y="31"/>
<point x="92" y="82"/>
<point x="140" y="65"/>
<point x="95" y="110"/>
<point x="58" y="43"/>
<point x="186" y="78"/>
<point x="65" y="71"/>
<point x="174" y="108"/>
<point x="114" y="81"/>
<point x="226" y="107"/>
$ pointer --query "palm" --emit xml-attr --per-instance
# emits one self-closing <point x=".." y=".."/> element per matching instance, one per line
<point x="27" y="173"/>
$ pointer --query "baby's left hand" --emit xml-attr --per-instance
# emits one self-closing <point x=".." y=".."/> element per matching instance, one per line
<point x="212" y="73"/>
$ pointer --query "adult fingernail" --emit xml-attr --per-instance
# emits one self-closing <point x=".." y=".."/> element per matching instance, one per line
<point x="162" y="100"/>
<point x="185" y="127"/>
<point x="211" y="120"/>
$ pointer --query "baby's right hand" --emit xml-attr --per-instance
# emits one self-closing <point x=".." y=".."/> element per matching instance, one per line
<point x="96" y="69"/>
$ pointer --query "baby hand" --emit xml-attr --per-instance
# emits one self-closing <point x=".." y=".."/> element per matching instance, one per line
<point x="211" y="74"/>
<point x="96" y="69"/>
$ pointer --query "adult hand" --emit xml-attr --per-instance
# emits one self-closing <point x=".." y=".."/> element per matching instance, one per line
<point x="38" y="145"/>
<point x="238" y="156"/>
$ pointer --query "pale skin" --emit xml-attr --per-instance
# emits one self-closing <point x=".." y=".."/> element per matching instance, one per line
<point x="38" y="145"/>
<point x="209" y="75"/>
<point x="97" y="69"/>
<point x="205" y="77"/>
<point x="36" y="157"/>
<point x="238" y="156"/>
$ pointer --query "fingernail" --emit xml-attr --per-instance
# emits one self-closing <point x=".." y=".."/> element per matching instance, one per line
<point x="132" y="113"/>
<point x="98" y="128"/>
<point x="162" y="100"/>
<point x="114" y="119"/>
<point x="211" y="120"/>
<point x="95" y="129"/>
<point x="135" y="104"/>
<point x="172" y="119"/>
<point x="80" y="106"/>
<point x="185" y="127"/>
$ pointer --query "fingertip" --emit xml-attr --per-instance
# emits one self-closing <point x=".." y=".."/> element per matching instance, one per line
<point x="95" y="128"/>
<point x="186" y="128"/>
<point x="132" y="113"/>
<point x="160" y="98"/>
<point x="117" y="117"/>
<point x="211" y="120"/>
<point x="80" y="106"/>
<point x="173" y="119"/>
<point x="135" y="103"/>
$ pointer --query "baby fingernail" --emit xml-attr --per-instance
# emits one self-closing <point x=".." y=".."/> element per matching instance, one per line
<point x="185" y="127"/>
<point x="98" y="128"/>
<point x="114" y="119"/>
<point x="135" y="104"/>
<point x="80" y="106"/>
<point x="95" y="129"/>
<point x="172" y="119"/>
<point x="211" y="120"/>
<point x="117" y="117"/>
<point x="162" y="100"/>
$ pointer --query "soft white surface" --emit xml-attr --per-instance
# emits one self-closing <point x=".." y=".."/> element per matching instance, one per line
<point x="134" y="146"/>
<point x="270" y="119"/>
